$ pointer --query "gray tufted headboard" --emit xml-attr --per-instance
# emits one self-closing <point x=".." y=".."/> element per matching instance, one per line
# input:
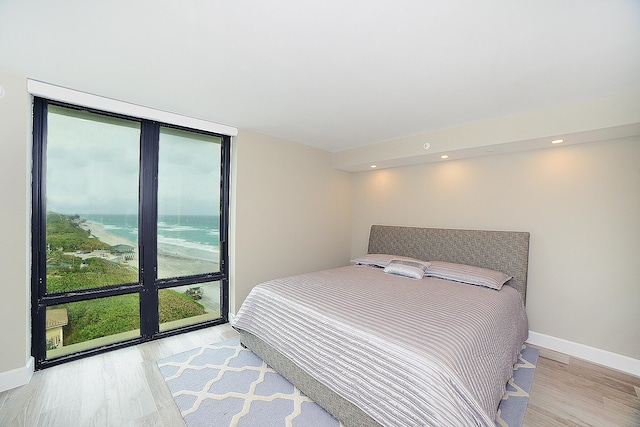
<point x="506" y="251"/>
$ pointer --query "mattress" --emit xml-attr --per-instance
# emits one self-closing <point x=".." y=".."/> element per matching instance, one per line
<point x="404" y="351"/>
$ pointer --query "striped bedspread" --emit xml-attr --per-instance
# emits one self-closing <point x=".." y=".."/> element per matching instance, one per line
<point x="408" y="352"/>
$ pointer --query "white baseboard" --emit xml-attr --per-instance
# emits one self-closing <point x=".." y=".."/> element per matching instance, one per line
<point x="584" y="352"/>
<point x="16" y="377"/>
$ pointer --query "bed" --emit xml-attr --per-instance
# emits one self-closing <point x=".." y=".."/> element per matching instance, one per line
<point x="374" y="348"/>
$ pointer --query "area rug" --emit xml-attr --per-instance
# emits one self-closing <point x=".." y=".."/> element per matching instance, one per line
<point x="224" y="384"/>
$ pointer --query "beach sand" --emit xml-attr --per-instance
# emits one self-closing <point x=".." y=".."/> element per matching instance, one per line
<point x="97" y="230"/>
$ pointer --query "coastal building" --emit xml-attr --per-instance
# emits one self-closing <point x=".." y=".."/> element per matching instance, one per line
<point x="123" y="252"/>
<point x="56" y="319"/>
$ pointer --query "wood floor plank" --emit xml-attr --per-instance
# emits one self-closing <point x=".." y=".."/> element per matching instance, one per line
<point x="573" y="409"/>
<point x="23" y="405"/>
<point x="578" y="393"/>
<point x="553" y="355"/>
<point x="537" y="416"/>
<point x="625" y="413"/>
<point x="168" y="412"/>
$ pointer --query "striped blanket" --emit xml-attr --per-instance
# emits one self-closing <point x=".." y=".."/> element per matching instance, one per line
<point x="426" y="352"/>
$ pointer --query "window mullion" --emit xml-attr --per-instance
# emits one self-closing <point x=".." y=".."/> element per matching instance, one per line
<point x="224" y="225"/>
<point x="148" y="220"/>
<point x="38" y="347"/>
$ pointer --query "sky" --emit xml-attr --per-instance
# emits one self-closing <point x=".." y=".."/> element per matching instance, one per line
<point x="93" y="167"/>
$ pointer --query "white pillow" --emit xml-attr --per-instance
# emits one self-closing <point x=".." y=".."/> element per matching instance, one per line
<point x="412" y="269"/>
<point x="382" y="260"/>
<point x="467" y="274"/>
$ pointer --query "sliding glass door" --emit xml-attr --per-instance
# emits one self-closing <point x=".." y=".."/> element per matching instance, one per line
<point x="129" y="227"/>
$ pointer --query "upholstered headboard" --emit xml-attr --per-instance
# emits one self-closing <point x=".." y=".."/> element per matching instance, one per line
<point x="506" y="251"/>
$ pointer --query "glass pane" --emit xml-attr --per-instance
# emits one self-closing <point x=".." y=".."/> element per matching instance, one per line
<point x="189" y="304"/>
<point x="92" y="200"/>
<point x="188" y="203"/>
<point x="87" y="324"/>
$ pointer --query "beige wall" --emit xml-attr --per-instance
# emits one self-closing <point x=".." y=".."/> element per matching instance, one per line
<point x="15" y="190"/>
<point x="581" y="204"/>
<point x="292" y="212"/>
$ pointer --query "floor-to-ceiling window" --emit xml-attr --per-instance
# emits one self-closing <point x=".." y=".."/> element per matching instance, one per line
<point x="129" y="230"/>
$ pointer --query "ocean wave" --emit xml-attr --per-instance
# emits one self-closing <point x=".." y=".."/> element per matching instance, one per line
<point x="176" y="244"/>
<point x="178" y="228"/>
<point x="112" y="227"/>
<point x="196" y="241"/>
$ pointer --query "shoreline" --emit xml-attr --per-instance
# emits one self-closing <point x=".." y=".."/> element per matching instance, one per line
<point x="169" y="265"/>
<point x="98" y="231"/>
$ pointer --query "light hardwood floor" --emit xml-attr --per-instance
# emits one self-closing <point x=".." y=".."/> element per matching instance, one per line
<point x="571" y="392"/>
<point x="125" y="388"/>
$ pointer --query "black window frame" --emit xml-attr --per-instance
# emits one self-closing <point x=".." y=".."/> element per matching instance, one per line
<point x="148" y="285"/>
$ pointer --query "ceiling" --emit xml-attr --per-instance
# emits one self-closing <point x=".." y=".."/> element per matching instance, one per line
<point x="330" y="74"/>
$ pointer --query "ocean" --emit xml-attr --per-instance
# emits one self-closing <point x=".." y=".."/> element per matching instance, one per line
<point x="189" y="236"/>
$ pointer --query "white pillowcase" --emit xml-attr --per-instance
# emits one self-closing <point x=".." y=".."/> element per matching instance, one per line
<point x="467" y="274"/>
<point x="412" y="269"/>
<point x="383" y="260"/>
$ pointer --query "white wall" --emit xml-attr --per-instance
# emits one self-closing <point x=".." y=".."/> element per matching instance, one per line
<point x="581" y="204"/>
<point x="292" y="212"/>
<point x="15" y="190"/>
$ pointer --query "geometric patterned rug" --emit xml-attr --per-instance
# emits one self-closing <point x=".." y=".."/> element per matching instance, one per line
<point x="514" y="402"/>
<point x="224" y="384"/>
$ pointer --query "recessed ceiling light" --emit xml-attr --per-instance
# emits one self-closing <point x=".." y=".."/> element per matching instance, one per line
<point x="373" y="166"/>
<point x="557" y="141"/>
<point x="444" y="156"/>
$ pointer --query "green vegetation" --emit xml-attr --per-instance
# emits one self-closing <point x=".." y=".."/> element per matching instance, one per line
<point x="174" y="305"/>
<point x="100" y="317"/>
<point x="64" y="232"/>
<point x="108" y="316"/>
<point x="68" y="272"/>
